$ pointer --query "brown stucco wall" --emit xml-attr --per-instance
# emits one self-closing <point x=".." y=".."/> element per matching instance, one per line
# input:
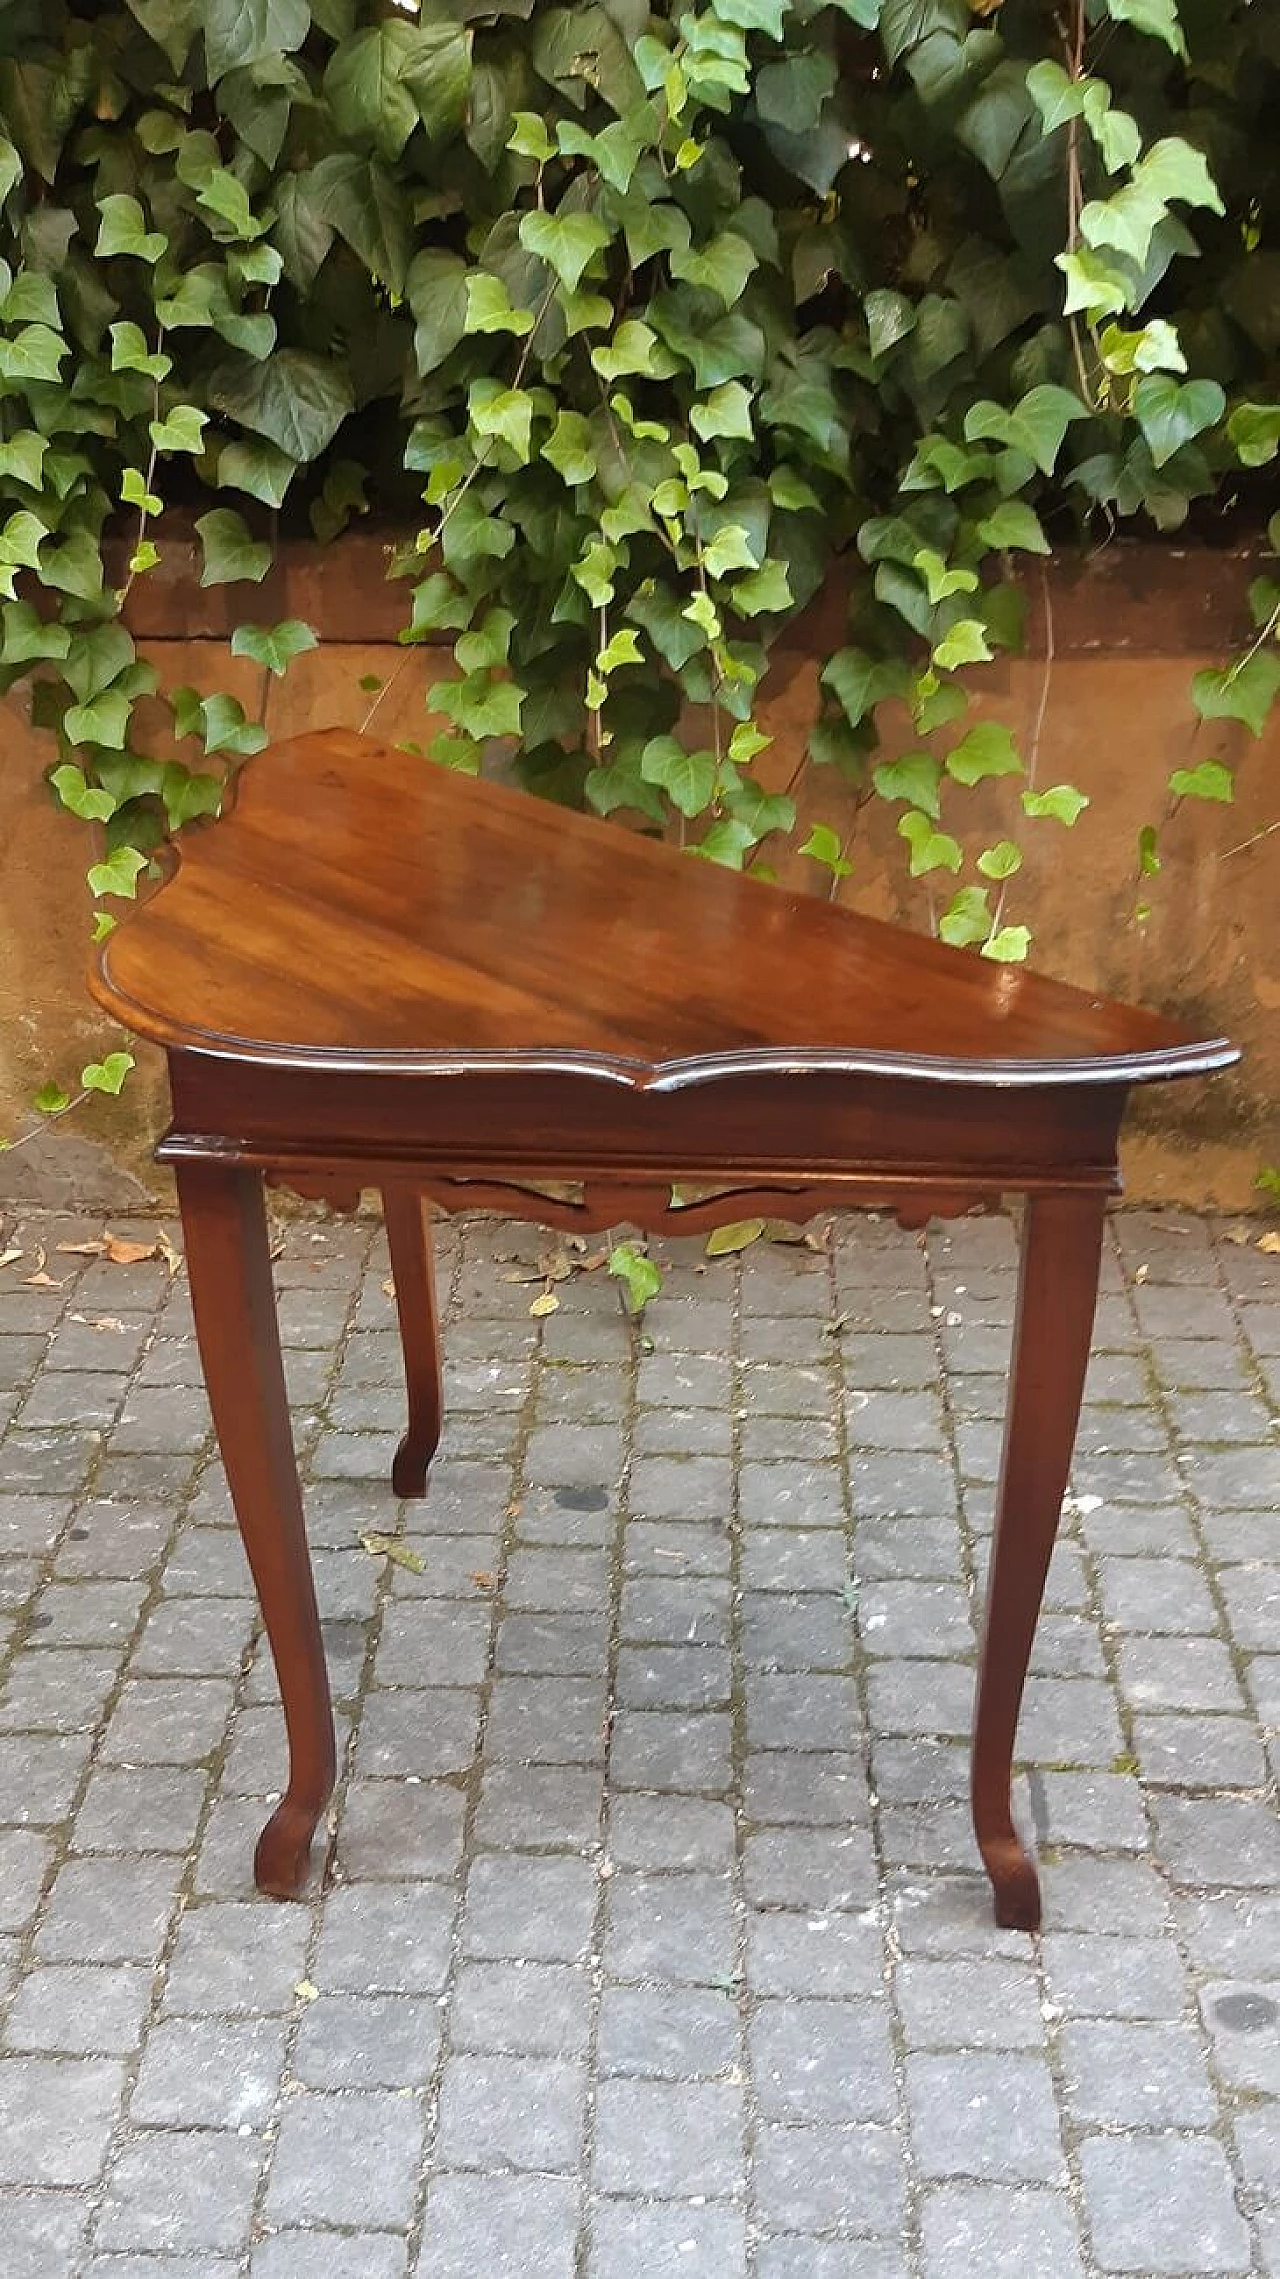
<point x="1113" y="643"/>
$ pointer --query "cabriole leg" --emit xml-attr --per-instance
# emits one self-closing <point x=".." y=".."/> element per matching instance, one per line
<point x="233" y="1298"/>
<point x="1057" y="1294"/>
<point x="413" y="1270"/>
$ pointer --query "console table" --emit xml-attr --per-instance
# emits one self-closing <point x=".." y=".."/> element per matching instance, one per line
<point x="374" y="973"/>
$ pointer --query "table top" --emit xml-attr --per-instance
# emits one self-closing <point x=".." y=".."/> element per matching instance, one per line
<point x="362" y="908"/>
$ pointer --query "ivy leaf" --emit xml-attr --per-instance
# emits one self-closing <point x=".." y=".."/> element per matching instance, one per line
<point x="22" y="458"/>
<point x="1255" y="431"/>
<point x="634" y="348"/>
<point x="108" y="1074"/>
<point x="688" y="778"/>
<point x="51" y="1100"/>
<point x="529" y="138"/>
<point x="129" y="353"/>
<point x="273" y="647"/>
<point x="481" y="706"/>
<point x="436" y="287"/>
<point x="1000" y="861"/>
<point x="939" y="580"/>
<point x="823" y="846"/>
<point x="489" y="306"/>
<point x="1128" y="221"/>
<point x="724" y="1242"/>
<point x="1094" y="288"/>
<point x="223" y="194"/>
<point x="230" y="550"/>
<point x="915" y="778"/>
<point x="730" y="549"/>
<point x="965" y="644"/>
<point x="930" y="850"/>
<point x="103" y="720"/>
<point x="28" y="637"/>
<point x="1009" y="946"/>
<point x="80" y="797"/>
<point x="1174" y="168"/>
<point x="987" y="750"/>
<point x="243" y="31"/>
<point x="123" y="229"/>
<point x="727" y="842"/>
<point x="259" y="468"/>
<point x="722" y="267"/>
<point x="566" y="242"/>
<point x="641" y="1280"/>
<point x="1171" y="413"/>
<point x="118" y="874"/>
<point x="1037" y="424"/>
<point x="181" y="430"/>
<point x="1061" y="801"/>
<point x="861" y="682"/>
<point x="383" y="80"/>
<point x="503" y="414"/>
<point x="1158" y="18"/>
<point x="1013" y="524"/>
<point x="967" y="918"/>
<point x="765" y="592"/>
<point x="298" y="401"/>
<point x="570" y="450"/>
<point x="226" y="729"/>
<point x="725" y="414"/>
<point x="1210" y="780"/>
<point x="754" y="15"/>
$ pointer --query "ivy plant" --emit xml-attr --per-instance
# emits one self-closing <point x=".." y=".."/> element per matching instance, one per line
<point x="637" y="320"/>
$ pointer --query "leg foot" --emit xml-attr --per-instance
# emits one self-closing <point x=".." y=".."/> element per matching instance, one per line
<point x="1057" y="1294"/>
<point x="232" y="1297"/>
<point x="413" y="1269"/>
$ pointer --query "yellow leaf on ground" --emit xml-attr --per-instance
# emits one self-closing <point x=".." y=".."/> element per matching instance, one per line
<point x="739" y="1236"/>
<point x="390" y="1547"/>
<point x="548" y="1303"/>
<point x="1270" y="1243"/>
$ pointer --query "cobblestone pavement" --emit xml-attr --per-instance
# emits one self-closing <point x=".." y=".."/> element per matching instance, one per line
<point x="651" y="1941"/>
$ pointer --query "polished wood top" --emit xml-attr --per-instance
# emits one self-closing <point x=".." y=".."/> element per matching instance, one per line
<point x="362" y="908"/>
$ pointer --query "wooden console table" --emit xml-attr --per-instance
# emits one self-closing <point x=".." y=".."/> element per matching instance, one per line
<point x="377" y="974"/>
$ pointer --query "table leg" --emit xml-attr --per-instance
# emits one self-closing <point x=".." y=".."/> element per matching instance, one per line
<point x="413" y="1270"/>
<point x="233" y="1298"/>
<point x="1057" y="1294"/>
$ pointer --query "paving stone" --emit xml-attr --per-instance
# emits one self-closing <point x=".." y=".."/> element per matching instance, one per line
<point x="209" y="2073"/>
<point x="1187" y="1750"/>
<point x="661" y="1749"/>
<point x="675" y="1928"/>
<point x="822" y="2061"/>
<point x="671" y="1832"/>
<point x="815" y="1789"/>
<point x="821" y="2179"/>
<point x="358" y="2255"/>
<point x="986" y="2231"/>
<point x="388" y="1938"/>
<point x="153" y="1809"/>
<point x="348" y="2160"/>
<point x="815" y="1868"/>
<point x="802" y="2258"/>
<point x="1150" y="2200"/>
<point x="79" y="2008"/>
<point x="669" y="2139"/>
<point x="1092" y="1977"/>
<point x="1121" y="2074"/>
<point x="1189" y="1673"/>
<point x="107" y="1910"/>
<point x="1218" y="1840"/>
<point x="971" y="2005"/>
<point x="391" y="1830"/>
<point x="512" y="2112"/>
<point x="1164" y="1594"/>
<point x="992" y="2118"/>
<point x="533" y="2009"/>
<point x="181" y="2193"/>
<point x="1243" y="2020"/>
<point x="632" y="2241"/>
<point x="42" y="2233"/>
<point x="427" y="1733"/>
<point x="540" y="1909"/>
<point x="237" y="1959"/>
<point x="508" y="2227"/>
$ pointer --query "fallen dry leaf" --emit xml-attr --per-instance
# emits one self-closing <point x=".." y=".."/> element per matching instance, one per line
<point x="1270" y="1243"/>
<point x="306" y="1992"/>
<point x="389" y="1287"/>
<point x="41" y="1281"/>
<point x="117" y="1249"/>
<point x="171" y="1257"/>
<point x="390" y="1547"/>
<point x="484" y="1582"/>
<point x="548" y="1303"/>
<point x="10" y="1257"/>
<point x="98" y="1321"/>
<point x="594" y="1260"/>
<point x="1237" y="1234"/>
<point x="1142" y="1274"/>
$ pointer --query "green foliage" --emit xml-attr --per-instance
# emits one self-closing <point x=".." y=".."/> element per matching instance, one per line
<point x="646" y="313"/>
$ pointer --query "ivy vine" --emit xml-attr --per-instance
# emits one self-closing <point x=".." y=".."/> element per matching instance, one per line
<point x="645" y="316"/>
